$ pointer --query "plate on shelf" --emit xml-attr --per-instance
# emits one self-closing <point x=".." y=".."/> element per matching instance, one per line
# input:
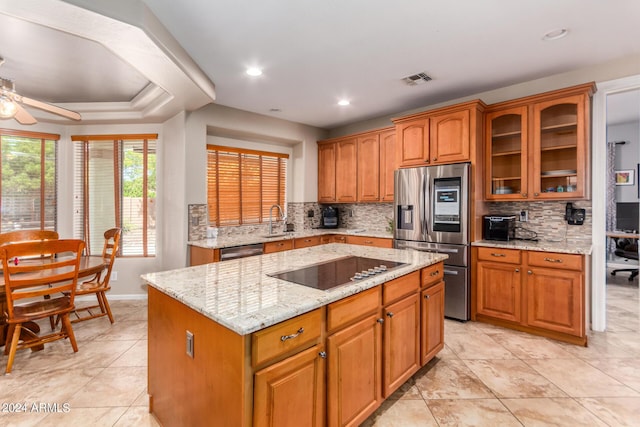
<point x="503" y="190"/>
<point x="559" y="172"/>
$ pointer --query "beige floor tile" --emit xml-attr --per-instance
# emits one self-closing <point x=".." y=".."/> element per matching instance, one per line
<point x="476" y="346"/>
<point x="579" y="379"/>
<point x="402" y="413"/>
<point x="94" y="417"/>
<point x="525" y="346"/>
<point x="134" y="356"/>
<point x="615" y="411"/>
<point x="512" y="378"/>
<point x="137" y="416"/>
<point x="407" y="391"/>
<point x="627" y="371"/>
<point x="112" y="387"/>
<point x="20" y="419"/>
<point x="450" y="379"/>
<point x="126" y="330"/>
<point x="471" y="412"/>
<point x="560" y="412"/>
<point x="142" y="400"/>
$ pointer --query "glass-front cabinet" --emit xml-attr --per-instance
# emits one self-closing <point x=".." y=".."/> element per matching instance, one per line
<point x="559" y="148"/>
<point x="507" y="154"/>
<point x="537" y="148"/>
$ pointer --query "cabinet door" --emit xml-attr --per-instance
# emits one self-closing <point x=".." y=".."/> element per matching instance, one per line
<point x="199" y="256"/>
<point x="413" y="143"/>
<point x="354" y="372"/>
<point x="346" y="167"/>
<point x="432" y="322"/>
<point x="291" y="392"/>
<point x="369" y="168"/>
<point x="499" y="290"/>
<point x="506" y="154"/>
<point x="555" y="300"/>
<point x="559" y="149"/>
<point x="401" y="342"/>
<point x="327" y="172"/>
<point x="387" y="165"/>
<point x="449" y="137"/>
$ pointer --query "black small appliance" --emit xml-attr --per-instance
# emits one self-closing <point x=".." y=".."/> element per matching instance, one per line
<point x="330" y="217"/>
<point x="499" y="227"/>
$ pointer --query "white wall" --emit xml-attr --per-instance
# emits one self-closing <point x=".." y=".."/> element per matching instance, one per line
<point x="627" y="156"/>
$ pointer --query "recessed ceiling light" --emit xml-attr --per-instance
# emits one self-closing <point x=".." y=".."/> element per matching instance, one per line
<point x="254" y="71"/>
<point x="343" y="102"/>
<point x="555" y="34"/>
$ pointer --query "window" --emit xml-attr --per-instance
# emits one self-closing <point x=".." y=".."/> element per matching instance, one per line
<point x="242" y="185"/>
<point x="115" y="186"/>
<point x="28" y="180"/>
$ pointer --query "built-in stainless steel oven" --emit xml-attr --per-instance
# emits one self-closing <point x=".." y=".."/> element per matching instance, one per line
<point x="431" y="209"/>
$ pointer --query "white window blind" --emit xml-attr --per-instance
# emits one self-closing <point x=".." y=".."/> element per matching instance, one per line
<point x="243" y="184"/>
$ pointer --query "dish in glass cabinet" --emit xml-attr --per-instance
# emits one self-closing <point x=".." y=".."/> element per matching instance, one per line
<point x="503" y="190"/>
<point x="559" y="172"/>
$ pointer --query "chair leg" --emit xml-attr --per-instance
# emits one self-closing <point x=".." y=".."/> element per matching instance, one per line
<point x="14" y="346"/>
<point x="7" y="343"/>
<point x="66" y="324"/>
<point x="105" y="304"/>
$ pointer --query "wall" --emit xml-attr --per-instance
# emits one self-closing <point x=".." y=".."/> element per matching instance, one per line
<point x="627" y="156"/>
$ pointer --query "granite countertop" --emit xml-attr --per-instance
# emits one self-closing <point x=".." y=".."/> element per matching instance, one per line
<point x="249" y="239"/>
<point x="239" y="295"/>
<point x="581" y="247"/>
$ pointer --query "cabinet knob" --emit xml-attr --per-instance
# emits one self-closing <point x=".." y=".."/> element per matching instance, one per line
<point x="524" y="194"/>
<point x="426" y="160"/>
<point x="517" y="270"/>
<point x="323" y="354"/>
<point x="427" y="297"/>
<point x="529" y="272"/>
<point x="536" y="194"/>
<point x="381" y="320"/>
<point x="435" y="159"/>
<point x="390" y="314"/>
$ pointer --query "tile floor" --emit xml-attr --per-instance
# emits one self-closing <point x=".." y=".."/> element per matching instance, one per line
<point x="485" y="376"/>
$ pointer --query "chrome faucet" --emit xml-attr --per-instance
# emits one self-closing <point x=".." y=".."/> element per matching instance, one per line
<point x="271" y="217"/>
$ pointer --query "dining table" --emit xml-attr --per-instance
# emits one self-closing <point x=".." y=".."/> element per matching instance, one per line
<point x="89" y="266"/>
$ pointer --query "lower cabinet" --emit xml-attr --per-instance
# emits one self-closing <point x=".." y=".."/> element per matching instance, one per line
<point x="199" y="255"/>
<point x="291" y="393"/>
<point x="432" y="322"/>
<point x="537" y="292"/>
<point x="379" y="242"/>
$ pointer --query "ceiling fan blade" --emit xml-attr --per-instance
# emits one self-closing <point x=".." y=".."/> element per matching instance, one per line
<point x="51" y="108"/>
<point x="23" y="117"/>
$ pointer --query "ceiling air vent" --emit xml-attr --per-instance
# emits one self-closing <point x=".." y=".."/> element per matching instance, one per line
<point x="417" y="79"/>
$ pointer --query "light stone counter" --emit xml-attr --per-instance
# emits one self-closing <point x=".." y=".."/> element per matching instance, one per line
<point x="239" y="295"/>
<point x="564" y="246"/>
<point x="249" y="239"/>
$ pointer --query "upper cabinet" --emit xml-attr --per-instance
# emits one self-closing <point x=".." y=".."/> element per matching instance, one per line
<point x="357" y="168"/>
<point x="537" y="148"/>
<point x="445" y="135"/>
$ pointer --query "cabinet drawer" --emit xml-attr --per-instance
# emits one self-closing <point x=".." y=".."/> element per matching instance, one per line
<point x="400" y="287"/>
<point x="305" y="242"/>
<point x="432" y="274"/>
<point x="370" y="241"/>
<point x="555" y="260"/>
<point x="511" y="256"/>
<point x="282" y="245"/>
<point x="285" y="336"/>
<point x="327" y="238"/>
<point x="339" y="239"/>
<point x="345" y="311"/>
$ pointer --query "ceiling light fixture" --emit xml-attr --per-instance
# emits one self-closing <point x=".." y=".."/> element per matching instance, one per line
<point x="555" y="34"/>
<point x="254" y="71"/>
<point x="8" y="108"/>
<point x="343" y="102"/>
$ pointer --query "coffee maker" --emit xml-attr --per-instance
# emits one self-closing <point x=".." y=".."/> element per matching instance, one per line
<point x="330" y="217"/>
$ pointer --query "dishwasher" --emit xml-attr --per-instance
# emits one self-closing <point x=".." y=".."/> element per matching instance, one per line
<point x="243" y="251"/>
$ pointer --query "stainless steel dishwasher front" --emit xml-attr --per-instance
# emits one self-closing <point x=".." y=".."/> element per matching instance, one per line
<point x="240" y="251"/>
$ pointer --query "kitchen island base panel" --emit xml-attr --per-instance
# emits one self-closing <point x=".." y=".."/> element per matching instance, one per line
<point x="180" y="386"/>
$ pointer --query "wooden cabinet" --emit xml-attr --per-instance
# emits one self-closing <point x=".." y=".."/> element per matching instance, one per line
<point x="291" y="392"/>
<point x="357" y="168"/>
<point x="278" y="246"/>
<point x="445" y="135"/>
<point x="199" y="255"/>
<point x="538" y="292"/>
<point x="537" y="148"/>
<point x="354" y="372"/>
<point x="326" y="172"/>
<point x="379" y="242"/>
<point x="339" y="238"/>
<point x="346" y="167"/>
<point x="305" y="242"/>
<point x="432" y="322"/>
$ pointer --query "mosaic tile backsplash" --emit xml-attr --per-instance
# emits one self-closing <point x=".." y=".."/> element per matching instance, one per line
<point x="546" y="219"/>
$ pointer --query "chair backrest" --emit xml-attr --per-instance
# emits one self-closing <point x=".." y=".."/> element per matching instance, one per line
<point x="32" y="278"/>
<point x="27" y="235"/>
<point x="110" y="250"/>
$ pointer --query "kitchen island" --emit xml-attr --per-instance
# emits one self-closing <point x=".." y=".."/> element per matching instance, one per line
<point x="231" y="345"/>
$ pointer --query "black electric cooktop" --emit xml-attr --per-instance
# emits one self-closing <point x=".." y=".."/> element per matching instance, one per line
<point x="327" y="275"/>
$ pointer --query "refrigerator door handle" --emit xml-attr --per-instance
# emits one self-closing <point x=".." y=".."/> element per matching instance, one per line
<point x="451" y="272"/>
<point x="424" y="197"/>
<point x="428" y="205"/>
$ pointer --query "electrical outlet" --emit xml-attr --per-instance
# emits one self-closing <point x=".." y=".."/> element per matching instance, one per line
<point x="114" y="276"/>
<point x="524" y="216"/>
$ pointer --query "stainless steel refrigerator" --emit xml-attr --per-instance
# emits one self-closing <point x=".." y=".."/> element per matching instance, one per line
<point x="431" y="213"/>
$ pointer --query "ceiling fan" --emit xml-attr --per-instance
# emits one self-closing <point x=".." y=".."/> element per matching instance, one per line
<point x="10" y="104"/>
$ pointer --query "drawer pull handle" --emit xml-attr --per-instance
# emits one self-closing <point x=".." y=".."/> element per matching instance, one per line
<point x="368" y="242"/>
<point x="390" y="314"/>
<point x="307" y="240"/>
<point x="553" y="260"/>
<point x="497" y="255"/>
<point x="435" y="273"/>
<point x="292" y="336"/>
<point x="323" y="354"/>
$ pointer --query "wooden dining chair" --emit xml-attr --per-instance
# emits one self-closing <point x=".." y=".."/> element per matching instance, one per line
<point x="99" y="284"/>
<point x="27" y="235"/>
<point x="33" y="277"/>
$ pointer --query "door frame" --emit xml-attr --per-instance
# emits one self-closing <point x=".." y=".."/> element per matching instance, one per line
<point x="598" y="187"/>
